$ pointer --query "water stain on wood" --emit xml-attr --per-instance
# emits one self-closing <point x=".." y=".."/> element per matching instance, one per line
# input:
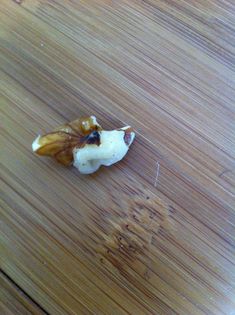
<point x="128" y="239"/>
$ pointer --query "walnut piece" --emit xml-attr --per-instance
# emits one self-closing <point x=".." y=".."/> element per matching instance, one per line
<point x="85" y="144"/>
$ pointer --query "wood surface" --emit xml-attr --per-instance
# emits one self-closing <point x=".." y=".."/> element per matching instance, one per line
<point x="153" y="234"/>
<point x="15" y="302"/>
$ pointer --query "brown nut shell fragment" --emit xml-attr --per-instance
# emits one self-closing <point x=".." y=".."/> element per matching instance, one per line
<point x="60" y="143"/>
<point x="82" y="126"/>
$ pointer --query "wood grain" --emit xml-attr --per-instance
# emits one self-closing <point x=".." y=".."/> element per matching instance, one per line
<point x="13" y="301"/>
<point x="124" y="240"/>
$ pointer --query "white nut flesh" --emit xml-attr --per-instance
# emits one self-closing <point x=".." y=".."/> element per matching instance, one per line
<point x="35" y="144"/>
<point x="112" y="149"/>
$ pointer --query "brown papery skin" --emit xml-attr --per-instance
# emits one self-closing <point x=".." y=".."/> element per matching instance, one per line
<point x="60" y="143"/>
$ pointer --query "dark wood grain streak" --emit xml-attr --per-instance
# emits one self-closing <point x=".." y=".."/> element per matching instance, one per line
<point x="14" y="301"/>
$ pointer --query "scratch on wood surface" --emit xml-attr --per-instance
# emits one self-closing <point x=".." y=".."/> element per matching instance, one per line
<point x="157" y="174"/>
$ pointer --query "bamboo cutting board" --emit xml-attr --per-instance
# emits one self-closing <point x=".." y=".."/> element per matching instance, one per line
<point x="153" y="234"/>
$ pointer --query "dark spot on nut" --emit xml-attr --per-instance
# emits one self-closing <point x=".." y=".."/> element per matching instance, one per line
<point x="93" y="138"/>
<point x="127" y="136"/>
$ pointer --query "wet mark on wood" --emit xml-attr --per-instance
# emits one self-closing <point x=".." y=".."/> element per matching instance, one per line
<point x="127" y="243"/>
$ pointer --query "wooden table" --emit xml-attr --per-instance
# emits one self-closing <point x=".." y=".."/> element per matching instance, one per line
<point x="153" y="234"/>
